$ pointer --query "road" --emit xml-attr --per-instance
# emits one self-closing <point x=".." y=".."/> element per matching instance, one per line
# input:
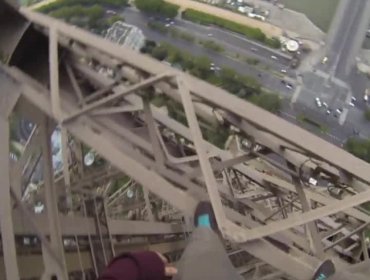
<point x="267" y="79"/>
<point x="346" y="36"/>
<point x="233" y="43"/>
<point x="336" y="81"/>
<point x="336" y="133"/>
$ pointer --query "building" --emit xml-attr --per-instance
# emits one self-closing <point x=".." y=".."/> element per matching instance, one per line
<point x="126" y="35"/>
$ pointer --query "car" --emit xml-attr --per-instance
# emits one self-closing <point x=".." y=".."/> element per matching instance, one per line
<point x="172" y="22"/>
<point x="274" y="57"/>
<point x="168" y="25"/>
<point x="283" y="71"/>
<point x="209" y="34"/>
<point x="289" y="86"/>
<point x="318" y="102"/>
<point x="325" y="105"/>
<point x="328" y="112"/>
<point x="353" y="99"/>
<point x="254" y="49"/>
<point x="356" y="131"/>
<point x="283" y="82"/>
<point x="351" y="104"/>
<point x="324" y="60"/>
<point x="366" y="96"/>
<point x="339" y="111"/>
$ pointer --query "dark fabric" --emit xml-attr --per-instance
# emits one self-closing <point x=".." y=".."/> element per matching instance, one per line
<point x="144" y="265"/>
<point x="205" y="208"/>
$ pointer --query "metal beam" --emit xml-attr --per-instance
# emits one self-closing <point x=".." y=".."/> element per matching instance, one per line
<point x="300" y="219"/>
<point x="59" y="267"/>
<point x="54" y="70"/>
<point x="312" y="230"/>
<point x="74" y="83"/>
<point x="152" y="128"/>
<point x="355" y="231"/>
<point x="205" y="165"/>
<point x="6" y="222"/>
<point x="119" y="93"/>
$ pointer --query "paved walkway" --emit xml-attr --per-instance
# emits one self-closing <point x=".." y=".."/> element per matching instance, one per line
<point x="296" y="24"/>
<point x="267" y="28"/>
<point x="280" y="21"/>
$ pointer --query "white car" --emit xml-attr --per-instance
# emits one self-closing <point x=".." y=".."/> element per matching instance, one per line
<point x="274" y="57"/>
<point x="209" y="34"/>
<point x="324" y="60"/>
<point x="325" y="105"/>
<point x="353" y="99"/>
<point x="318" y="102"/>
<point x="283" y="71"/>
<point x="351" y="104"/>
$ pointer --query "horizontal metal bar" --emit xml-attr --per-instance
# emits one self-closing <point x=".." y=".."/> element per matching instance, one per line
<point x="81" y="226"/>
<point x="358" y="229"/>
<point x="121" y="92"/>
<point x="295" y="220"/>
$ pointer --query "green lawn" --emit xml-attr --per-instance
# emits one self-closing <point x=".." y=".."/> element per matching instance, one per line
<point x="319" y="11"/>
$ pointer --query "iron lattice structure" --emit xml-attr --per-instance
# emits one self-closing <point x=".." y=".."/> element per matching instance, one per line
<point x="101" y="97"/>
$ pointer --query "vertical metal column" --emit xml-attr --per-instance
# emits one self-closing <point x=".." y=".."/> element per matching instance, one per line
<point x="102" y="244"/>
<point x="312" y="230"/>
<point x="60" y="268"/>
<point x="6" y="222"/>
<point x="66" y="173"/>
<point x="364" y="245"/>
<point x="148" y="205"/>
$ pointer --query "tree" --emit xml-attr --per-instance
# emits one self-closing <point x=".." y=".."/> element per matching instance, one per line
<point x="209" y="44"/>
<point x="160" y="53"/>
<point x="367" y="115"/>
<point x="268" y="101"/>
<point x="115" y="18"/>
<point x="201" y="67"/>
<point x="359" y="148"/>
<point x="157" y="7"/>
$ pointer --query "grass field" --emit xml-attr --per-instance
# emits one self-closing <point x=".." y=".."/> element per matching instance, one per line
<point x="319" y="11"/>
